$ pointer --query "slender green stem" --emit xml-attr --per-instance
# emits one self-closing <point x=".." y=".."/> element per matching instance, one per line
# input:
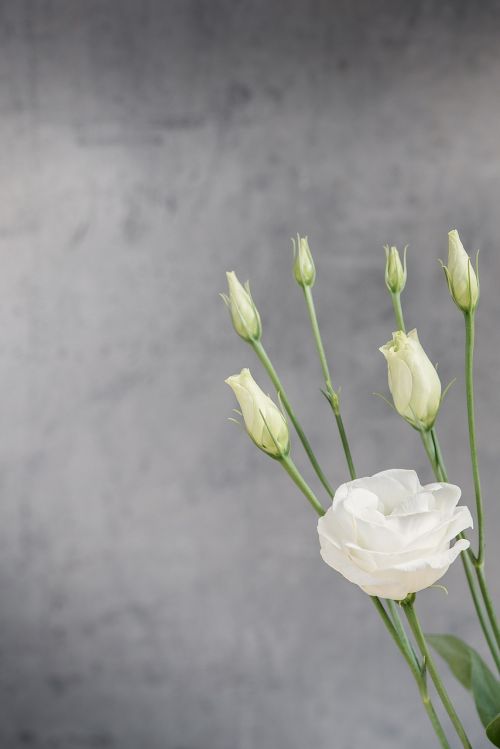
<point x="433" y="449"/>
<point x="398" y="625"/>
<point x="431" y="667"/>
<point x="469" y="318"/>
<point x="297" y="478"/>
<point x="266" y="362"/>
<point x="431" y="454"/>
<point x="398" y="310"/>
<point x="490" y="639"/>
<point x="469" y="388"/>
<point x="330" y="392"/>
<point x="397" y="632"/>
<point x="402" y="643"/>
<point x="345" y="445"/>
<point x="438" y="453"/>
<point x="317" y="335"/>
<point x="488" y="603"/>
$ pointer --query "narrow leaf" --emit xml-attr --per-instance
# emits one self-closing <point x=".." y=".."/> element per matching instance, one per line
<point x="486" y="689"/>
<point x="493" y="730"/>
<point x="457" y="654"/>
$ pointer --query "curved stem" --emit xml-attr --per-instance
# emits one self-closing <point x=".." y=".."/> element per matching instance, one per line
<point x="431" y="667"/>
<point x="266" y="362"/>
<point x="332" y="396"/>
<point x="398" y="310"/>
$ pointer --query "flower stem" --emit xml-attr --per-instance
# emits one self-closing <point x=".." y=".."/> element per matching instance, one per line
<point x="398" y="310"/>
<point x="431" y="667"/>
<point x="488" y="604"/>
<point x="297" y="478"/>
<point x="396" y="631"/>
<point x="267" y="364"/>
<point x="479" y="560"/>
<point x="433" y="450"/>
<point x="402" y="643"/>
<point x="469" y="387"/>
<point x="332" y="396"/>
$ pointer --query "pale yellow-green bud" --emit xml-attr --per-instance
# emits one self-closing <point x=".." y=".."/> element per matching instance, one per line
<point x="303" y="267"/>
<point x="413" y="381"/>
<point x="264" y="422"/>
<point x="395" y="271"/>
<point x="244" y="314"/>
<point x="460" y="275"/>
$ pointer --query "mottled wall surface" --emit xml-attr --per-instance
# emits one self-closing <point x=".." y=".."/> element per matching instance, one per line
<point x="160" y="582"/>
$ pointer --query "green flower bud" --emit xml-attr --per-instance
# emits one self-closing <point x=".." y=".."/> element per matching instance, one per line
<point x="413" y="381"/>
<point x="303" y="267"/>
<point x="395" y="271"/>
<point x="460" y="275"/>
<point x="244" y="314"/>
<point x="264" y="422"/>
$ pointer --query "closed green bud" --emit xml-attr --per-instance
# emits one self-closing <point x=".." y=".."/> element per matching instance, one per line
<point x="395" y="271"/>
<point x="244" y="314"/>
<point x="303" y="267"/>
<point x="460" y="275"/>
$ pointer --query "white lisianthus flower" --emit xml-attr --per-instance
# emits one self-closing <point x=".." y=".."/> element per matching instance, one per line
<point x="264" y="422"/>
<point x="461" y="277"/>
<point x="390" y="535"/>
<point x="413" y="381"/>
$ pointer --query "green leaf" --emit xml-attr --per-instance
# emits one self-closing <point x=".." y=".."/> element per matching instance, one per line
<point x="473" y="673"/>
<point x="486" y="689"/>
<point x="493" y="730"/>
<point x="457" y="655"/>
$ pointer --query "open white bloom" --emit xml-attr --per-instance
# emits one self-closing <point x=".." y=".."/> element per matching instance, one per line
<point x="390" y="535"/>
<point x="244" y="313"/>
<point x="413" y="381"/>
<point x="461" y="277"/>
<point x="264" y="422"/>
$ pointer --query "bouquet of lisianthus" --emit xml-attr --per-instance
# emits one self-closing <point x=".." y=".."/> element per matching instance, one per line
<point x="387" y="533"/>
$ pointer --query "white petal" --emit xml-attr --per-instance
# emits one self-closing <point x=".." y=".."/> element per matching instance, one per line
<point x="407" y="478"/>
<point x="446" y="495"/>
<point x="400" y="384"/>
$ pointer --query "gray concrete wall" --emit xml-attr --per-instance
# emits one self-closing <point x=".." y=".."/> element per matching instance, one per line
<point x="160" y="582"/>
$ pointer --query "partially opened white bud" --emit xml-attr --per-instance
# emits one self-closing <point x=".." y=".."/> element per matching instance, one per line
<point x="395" y="270"/>
<point x="413" y="381"/>
<point x="244" y="314"/>
<point x="461" y="277"/>
<point x="303" y="267"/>
<point x="264" y="422"/>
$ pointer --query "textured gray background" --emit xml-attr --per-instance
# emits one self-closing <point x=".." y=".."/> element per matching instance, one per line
<point x="160" y="582"/>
